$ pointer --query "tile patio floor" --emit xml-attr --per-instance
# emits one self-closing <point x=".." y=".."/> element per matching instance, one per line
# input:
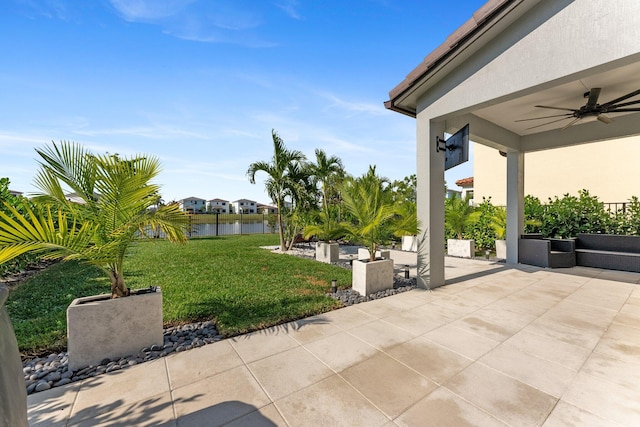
<point x="497" y="346"/>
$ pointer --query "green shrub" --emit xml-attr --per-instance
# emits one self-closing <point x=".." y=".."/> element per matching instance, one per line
<point x="480" y="229"/>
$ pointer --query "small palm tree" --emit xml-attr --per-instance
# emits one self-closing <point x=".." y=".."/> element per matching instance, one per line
<point x="499" y="222"/>
<point x="277" y="182"/>
<point x="372" y="211"/>
<point x="458" y="214"/>
<point x="406" y="220"/>
<point x="117" y="208"/>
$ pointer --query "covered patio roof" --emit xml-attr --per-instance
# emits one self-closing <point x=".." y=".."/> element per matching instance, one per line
<point x="495" y="72"/>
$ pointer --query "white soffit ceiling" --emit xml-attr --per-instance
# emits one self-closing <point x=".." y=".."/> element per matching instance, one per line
<point x="614" y="83"/>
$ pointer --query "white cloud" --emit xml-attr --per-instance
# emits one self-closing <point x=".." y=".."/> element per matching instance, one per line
<point x="290" y="8"/>
<point x="149" y="10"/>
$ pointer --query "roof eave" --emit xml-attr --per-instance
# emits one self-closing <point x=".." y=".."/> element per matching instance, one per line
<point x="457" y="41"/>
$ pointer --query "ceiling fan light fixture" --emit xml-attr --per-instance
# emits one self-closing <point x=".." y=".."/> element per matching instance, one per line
<point x="605" y="119"/>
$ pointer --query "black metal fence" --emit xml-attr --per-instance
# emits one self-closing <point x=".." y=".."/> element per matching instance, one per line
<point x="218" y="224"/>
<point x="616" y="208"/>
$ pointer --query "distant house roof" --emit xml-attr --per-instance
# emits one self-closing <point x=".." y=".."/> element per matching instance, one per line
<point x="15" y="193"/>
<point x="244" y="200"/>
<point x="190" y="198"/>
<point x="465" y="182"/>
<point x="218" y="200"/>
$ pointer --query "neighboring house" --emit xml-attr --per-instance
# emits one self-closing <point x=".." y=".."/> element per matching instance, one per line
<point x="267" y="209"/>
<point x="245" y="206"/>
<point x="452" y="193"/>
<point x="467" y="188"/>
<point x="193" y="205"/>
<point x="608" y="169"/>
<point x="75" y="198"/>
<point x="15" y="193"/>
<point x="218" y="206"/>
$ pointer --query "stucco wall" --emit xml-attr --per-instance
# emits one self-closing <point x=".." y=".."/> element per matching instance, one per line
<point x="608" y="169"/>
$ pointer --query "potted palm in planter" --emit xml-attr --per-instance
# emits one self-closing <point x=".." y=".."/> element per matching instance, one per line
<point x="407" y="226"/>
<point x="326" y="230"/>
<point x="372" y="215"/>
<point x="117" y="197"/>
<point x="458" y="214"/>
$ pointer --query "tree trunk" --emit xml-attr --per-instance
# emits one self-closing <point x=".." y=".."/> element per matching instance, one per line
<point x="118" y="288"/>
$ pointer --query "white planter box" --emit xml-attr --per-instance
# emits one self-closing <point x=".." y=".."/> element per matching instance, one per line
<point x="99" y="327"/>
<point x="363" y="253"/>
<point x="410" y="243"/>
<point x="372" y="276"/>
<point x="327" y="252"/>
<point x="501" y="249"/>
<point x="461" y="248"/>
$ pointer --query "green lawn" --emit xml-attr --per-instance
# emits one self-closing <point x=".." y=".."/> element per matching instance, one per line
<point x="228" y="279"/>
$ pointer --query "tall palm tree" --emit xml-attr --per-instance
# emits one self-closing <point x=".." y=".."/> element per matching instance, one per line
<point x="326" y="171"/>
<point x="117" y="196"/>
<point x="278" y="176"/>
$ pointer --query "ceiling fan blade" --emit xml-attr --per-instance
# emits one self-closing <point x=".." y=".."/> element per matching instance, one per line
<point x="557" y="108"/>
<point x="624" y="104"/>
<point x="548" y="123"/>
<point x="622" y="98"/>
<point x="605" y="119"/>
<point x="546" y="117"/>
<point x="621" y="110"/>
<point x="570" y="123"/>
<point x="594" y="93"/>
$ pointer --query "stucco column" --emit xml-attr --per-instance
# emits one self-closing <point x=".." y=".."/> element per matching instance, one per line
<point x="515" y="203"/>
<point x="430" y="203"/>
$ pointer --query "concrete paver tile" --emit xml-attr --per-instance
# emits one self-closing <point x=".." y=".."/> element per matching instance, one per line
<point x="605" y="399"/>
<point x="341" y="350"/>
<point x="378" y="308"/>
<point x="414" y="321"/>
<point x="506" y="398"/>
<point x="274" y="373"/>
<point x="267" y="416"/>
<point x="551" y="349"/>
<point x="430" y="359"/>
<point x="461" y="341"/>
<point x="264" y="343"/>
<point x="381" y="335"/>
<point x="492" y="323"/>
<point x="153" y="411"/>
<point x="52" y="407"/>
<point x="443" y="408"/>
<point x="564" y="415"/>
<point x="348" y="317"/>
<point x="330" y="402"/>
<point x="622" y="342"/>
<point x="586" y="336"/>
<point x="613" y="370"/>
<point x="140" y="383"/>
<point x="218" y="399"/>
<point x="549" y="377"/>
<point x="312" y="328"/>
<point x="191" y="366"/>
<point x="388" y="384"/>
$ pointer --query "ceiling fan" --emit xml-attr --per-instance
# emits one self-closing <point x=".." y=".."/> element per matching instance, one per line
<point x="590" y="109"/>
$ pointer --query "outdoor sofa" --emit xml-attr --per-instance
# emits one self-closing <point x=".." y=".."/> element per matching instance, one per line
<point x="610" y="251"/>
<point x="533" y="249"/>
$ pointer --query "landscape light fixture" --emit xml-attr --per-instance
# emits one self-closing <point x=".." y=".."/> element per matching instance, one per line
<point x="334" y="286"/>
<point x="406" y="271"/>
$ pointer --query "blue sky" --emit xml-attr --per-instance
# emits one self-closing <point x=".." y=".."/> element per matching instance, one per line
<point x="201" y="83"/>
